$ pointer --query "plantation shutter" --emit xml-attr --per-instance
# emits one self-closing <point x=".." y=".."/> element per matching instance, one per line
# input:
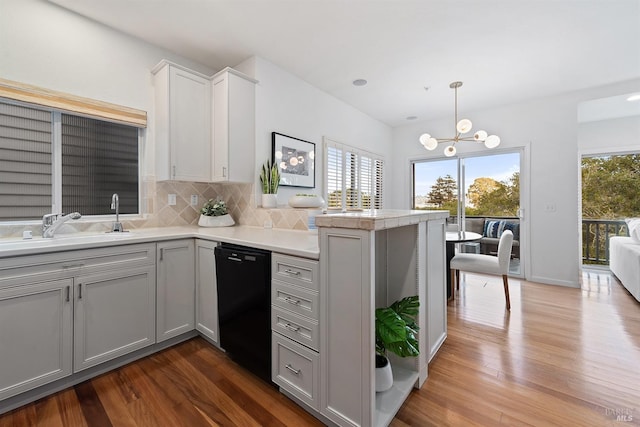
<point x="25" y="162"/>
<point x="377" y="184"/>
<point x="353" y="178"/>
<point x="333" y="173"/>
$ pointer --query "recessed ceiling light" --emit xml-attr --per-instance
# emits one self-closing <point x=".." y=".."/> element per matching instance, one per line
<point x="634" y="98"/>
<point x="359" y="82"/>
<point x="412" y="117"/>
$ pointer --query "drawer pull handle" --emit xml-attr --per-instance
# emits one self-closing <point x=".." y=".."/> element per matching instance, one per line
<point x="292" y="300"/>
<point x="68" y="294"/>
<point x="292" y="272"/>
<point x="79" y="291"/>
<point x="291" y="327"/>
<point x="292" y="369"/>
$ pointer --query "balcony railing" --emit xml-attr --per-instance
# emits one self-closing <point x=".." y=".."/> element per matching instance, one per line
<point x="595" y="239"/>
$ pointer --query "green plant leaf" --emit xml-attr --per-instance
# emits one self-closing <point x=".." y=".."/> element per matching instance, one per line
<point x="396" y="328"/>
<point x="389" y="326"/>
<point x="407" y="308"/>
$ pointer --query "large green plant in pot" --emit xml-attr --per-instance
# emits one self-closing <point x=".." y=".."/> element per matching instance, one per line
<point x="397" y="332"/>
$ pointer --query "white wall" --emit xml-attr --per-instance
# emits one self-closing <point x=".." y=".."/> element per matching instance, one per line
<point x="612" y="135"/>
<point x="549" y="127"/>
<point x="291" y="106"/>
<point x="45" y="45"/>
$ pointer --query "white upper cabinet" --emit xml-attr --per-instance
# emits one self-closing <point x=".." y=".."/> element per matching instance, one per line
<point x="233" y="127"/>
<point x="182" y="124"/>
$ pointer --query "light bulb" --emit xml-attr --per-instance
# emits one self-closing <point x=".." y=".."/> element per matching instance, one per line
<point x="312" y="155"/>
<point x="450" y="151"/>
<point x="300" y="159"/>
<point x="492" y="141"/>
<point x="424" y="138"/>
<point x="278" y="154"/>
<point x="283" y="165"/>
<point x="480" y="136"/>
<point x="293" y="161"/>
<point x="431" y="144"/>
<point x="464" y="126"/>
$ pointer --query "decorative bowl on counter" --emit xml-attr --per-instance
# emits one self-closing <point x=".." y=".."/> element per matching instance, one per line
<point x="216" y="221"/>
<point x="306" y="201"/>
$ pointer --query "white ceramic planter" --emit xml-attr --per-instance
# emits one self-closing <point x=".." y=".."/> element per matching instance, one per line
<point x="384" y="376"/>
<point x="306" y="201"/>
<point x="269" y="201"/>
<point x="216" y="221"/>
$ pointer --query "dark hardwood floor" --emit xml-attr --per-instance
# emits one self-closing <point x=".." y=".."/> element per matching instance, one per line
<point x="561" y="357"/>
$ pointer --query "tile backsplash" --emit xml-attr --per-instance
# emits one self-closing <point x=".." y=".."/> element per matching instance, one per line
<point x="157" y="212"/>
<point x="239" y="198"/>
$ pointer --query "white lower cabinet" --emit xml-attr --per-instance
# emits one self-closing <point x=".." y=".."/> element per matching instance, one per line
<point x="176" y="288"/>
<point x="64" y="312"/>
<point x="36" y="333"/>
<point x="295" y="363"/>
<point x="206" y="290"/>
<point x="114" y="315"/>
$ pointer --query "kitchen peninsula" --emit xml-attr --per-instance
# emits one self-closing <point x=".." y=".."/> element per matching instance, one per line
<point x="370" y="259"/>
<point x="325" y="361"/>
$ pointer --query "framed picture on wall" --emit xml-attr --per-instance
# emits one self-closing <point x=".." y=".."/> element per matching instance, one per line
<point x="295" y="159"/>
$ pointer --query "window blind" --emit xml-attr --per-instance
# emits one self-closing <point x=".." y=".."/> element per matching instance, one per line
<point x="353" y="177"/>
<point x="63" y="101"/>
<point x="25" y="162"/>
<point x="98" y="159"/>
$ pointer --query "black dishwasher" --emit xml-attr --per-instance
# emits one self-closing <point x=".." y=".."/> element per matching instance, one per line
<point x="244" y="306"/>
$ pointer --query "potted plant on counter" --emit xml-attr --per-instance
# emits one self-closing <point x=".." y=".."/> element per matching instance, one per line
<point x="396" y="331"/>
<point x="270" y="180"/>
<point x="214" y="213"/>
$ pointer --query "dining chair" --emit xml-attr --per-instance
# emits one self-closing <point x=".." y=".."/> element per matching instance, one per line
<point x="486" y="264"/>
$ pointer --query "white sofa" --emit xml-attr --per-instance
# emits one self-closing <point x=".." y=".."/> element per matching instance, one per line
<point x="624" y="262"/>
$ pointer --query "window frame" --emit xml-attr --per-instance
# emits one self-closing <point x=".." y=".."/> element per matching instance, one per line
<point x="56" y="161"/>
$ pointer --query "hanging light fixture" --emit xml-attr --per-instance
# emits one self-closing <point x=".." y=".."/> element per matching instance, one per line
<point x="461" y="127"/>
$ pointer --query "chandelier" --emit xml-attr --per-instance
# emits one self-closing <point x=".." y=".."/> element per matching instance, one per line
<point x="462" y="127"/>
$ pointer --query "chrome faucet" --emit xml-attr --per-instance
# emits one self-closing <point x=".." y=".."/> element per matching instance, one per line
<point x="115" y="204"/>
<point x="51" y="222"/>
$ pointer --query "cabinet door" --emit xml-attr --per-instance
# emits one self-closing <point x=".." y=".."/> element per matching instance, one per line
<point x="190" y="119"/>
<point x="183" y="123"/>
<point x="233" y="127"/>
<point x="114" y="314"/>
<point x="176" y="288"/>
<point x="206" y="290"/>
<point x="436" y="287"/>
<point x="36" y="333"/>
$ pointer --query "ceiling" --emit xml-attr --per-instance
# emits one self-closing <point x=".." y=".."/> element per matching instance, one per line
<point x="504" y="51"/>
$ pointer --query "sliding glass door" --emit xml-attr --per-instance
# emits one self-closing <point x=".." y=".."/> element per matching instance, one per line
<point x="481" y="193"/>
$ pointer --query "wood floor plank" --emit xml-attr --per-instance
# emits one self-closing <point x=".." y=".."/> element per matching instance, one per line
<point x="115" y="399"/>
<point x="91" y="405"/>
<point x="70" y="408"/>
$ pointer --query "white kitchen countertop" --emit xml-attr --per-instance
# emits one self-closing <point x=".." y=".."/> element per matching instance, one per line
<point x="290" y="242"/>
<point x="378" y="219"/>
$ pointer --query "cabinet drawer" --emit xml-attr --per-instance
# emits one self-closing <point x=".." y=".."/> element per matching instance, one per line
<point x="295" y="369"/>
<point x="298" y="328"/>
<point x="57" y="265"/>
<point x="297" y="271"/>
<point x="294" y="298"/>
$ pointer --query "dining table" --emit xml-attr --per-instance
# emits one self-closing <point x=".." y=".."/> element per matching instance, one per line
<point x="452" y="238"/>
